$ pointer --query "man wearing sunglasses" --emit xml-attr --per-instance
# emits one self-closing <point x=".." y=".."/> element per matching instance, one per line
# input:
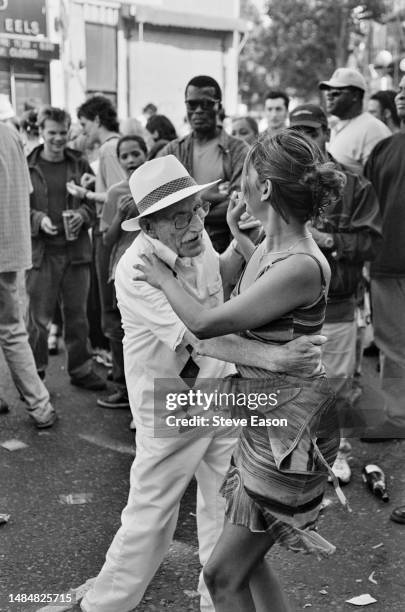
<point x="210" y="154"/>
<point x="356" y="133"/>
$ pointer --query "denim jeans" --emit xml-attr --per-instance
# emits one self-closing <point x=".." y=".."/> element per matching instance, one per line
<point x="57" y="279"/>
<point x="15" y="345"/>
<point x="110" y="314"/>
<point x="339" y="359"/>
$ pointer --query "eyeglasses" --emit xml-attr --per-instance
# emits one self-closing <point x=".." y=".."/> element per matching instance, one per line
<point x="183" y="220"/>
<point x="205" y="104"/>
<point x="335" y="93"/>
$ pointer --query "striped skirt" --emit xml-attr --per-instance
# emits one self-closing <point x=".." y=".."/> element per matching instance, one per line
<point x="278" y="475"/>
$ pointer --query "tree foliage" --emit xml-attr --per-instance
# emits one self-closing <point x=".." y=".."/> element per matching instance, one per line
<point x="302" y="43"/>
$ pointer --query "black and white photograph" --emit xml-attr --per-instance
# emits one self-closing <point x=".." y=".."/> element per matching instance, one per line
<point x="202" y="305"/>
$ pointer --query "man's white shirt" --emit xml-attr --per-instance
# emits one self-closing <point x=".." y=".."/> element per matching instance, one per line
<point x="153" y="341"/>
<point x="352" y="140"/>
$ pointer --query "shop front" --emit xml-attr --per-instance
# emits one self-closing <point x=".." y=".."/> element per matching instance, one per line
<point x="25" y="53"/>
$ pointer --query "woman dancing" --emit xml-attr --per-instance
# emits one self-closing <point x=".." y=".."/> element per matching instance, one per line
<point x="276" y="480"/>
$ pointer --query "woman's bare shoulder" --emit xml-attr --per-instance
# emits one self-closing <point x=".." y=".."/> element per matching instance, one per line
<point x="309" y="263"/>
<point x="300" y="270"/>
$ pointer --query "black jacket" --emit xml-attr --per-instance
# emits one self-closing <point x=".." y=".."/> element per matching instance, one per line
<point x="79" y="251"/>
<point x="356" y="225"/>
<point x="385" y="168"/>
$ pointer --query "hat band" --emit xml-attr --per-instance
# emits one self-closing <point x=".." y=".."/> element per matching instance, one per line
<point x="161" y="192"/>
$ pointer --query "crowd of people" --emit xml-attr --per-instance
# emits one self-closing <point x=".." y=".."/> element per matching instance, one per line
<point x="242" y="258"/>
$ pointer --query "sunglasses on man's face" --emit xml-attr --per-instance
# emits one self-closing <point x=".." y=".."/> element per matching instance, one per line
<point x="335" y="93"/>
<point x="206" y="104"/>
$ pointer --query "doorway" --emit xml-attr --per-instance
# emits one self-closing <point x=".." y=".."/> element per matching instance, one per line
<point x="30" y="85"/>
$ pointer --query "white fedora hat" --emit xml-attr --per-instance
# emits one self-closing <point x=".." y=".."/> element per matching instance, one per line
<point x="160" y="183"/>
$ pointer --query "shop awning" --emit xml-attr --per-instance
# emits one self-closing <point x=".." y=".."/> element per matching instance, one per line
<point x="159" y="17"/>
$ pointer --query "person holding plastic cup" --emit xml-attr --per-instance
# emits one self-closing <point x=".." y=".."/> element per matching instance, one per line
<point x="61" y="250"/>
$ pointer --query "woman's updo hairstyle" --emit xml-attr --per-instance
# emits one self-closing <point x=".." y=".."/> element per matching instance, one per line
<point x="302" y="183"/>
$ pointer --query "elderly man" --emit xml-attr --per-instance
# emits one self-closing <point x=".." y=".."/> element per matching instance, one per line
<point x="356" y="133"/>
<point x="157" y="345"/>
<point x="209" y="154"/>
<point x="15" y="256"/>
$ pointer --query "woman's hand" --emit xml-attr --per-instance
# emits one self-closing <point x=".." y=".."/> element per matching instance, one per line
<point x="236" y="208"/>
<point x="127" y="208"/>
<point x="247" y="222"/>
<point x="152" y="270"/>
<point x="76" y="190"/>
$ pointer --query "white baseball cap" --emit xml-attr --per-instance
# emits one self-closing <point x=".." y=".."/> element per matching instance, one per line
<point x="345" y="77"/>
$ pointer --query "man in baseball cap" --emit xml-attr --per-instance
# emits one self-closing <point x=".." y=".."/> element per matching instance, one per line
<point x="308" y="115"/>
<point x="345" y="77"/>
<point x="356" y="133"/>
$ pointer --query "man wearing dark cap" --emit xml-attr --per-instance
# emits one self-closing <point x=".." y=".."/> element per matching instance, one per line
<point x="349" y="233"/>
<point x="356" y="133"/>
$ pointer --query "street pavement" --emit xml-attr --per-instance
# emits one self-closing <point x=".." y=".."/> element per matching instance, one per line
<point x="50" y="546"/>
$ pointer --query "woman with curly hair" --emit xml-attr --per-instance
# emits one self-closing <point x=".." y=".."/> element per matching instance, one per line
<point x="277" y="477"/>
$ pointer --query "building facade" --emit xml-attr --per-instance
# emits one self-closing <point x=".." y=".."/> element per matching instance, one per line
<point x="137" y="53"/>
<point x="28" y="46"/>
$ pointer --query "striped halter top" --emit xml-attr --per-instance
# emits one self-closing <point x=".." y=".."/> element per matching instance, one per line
<point x="304" y="320"/>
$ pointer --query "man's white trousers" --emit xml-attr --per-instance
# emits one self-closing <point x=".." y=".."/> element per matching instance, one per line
<point x="160" y="474"/>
